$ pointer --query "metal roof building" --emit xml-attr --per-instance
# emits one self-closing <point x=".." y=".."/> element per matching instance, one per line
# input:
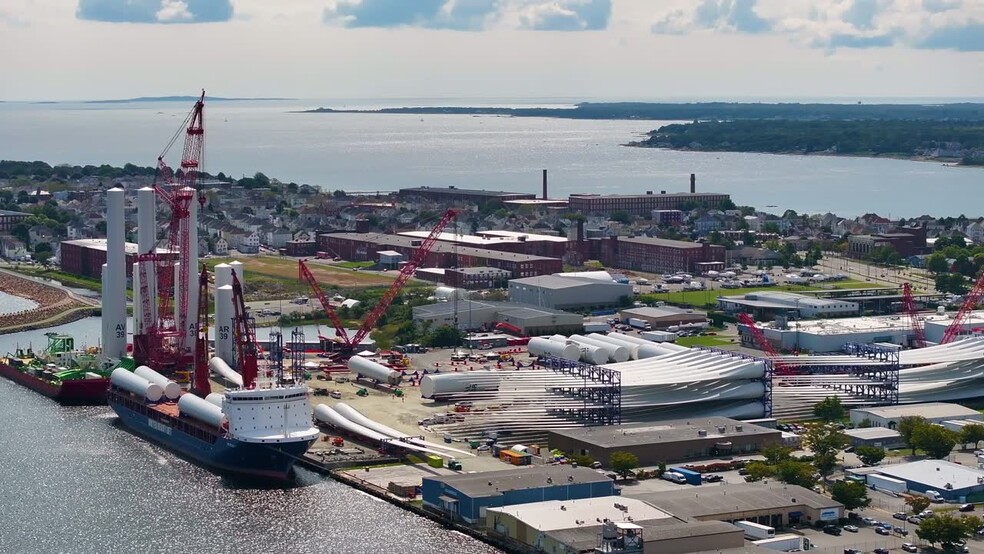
<point x="953" y="481"/>
<point x="787" y="303"/>
<point x="474" y="314"/>
<point x="934" y="412"/>
<point x="561" y="291"/>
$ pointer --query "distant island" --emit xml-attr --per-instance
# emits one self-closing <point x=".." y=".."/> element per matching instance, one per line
<point x="173" y="99"/>
<point x="701" y="111"/>
<point x="950" y="133"/>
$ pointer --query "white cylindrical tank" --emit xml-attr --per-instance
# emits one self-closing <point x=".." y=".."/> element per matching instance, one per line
<point x="633" y="348"/>
<point x="616" y="353"/>
<point x="136" y="384"/>
<point x="590" y="354"/>
<point x="216" y="398"/>
<point x="146" y="244"/>
<point x="540" y="346"/>
<point x="201" y="409"/>
<point x="191" y="320"/>
<point x="237" y="268"/>
<point x="373" y="370"/>
<point x="114" y="278"/>
<point x="224" y="312"/>
<point x="172" y="390"/>
<point x="223" y="275"/>
<point x="439" y="385"/>
<point x="218" y="366"/>
<point x="639" y="351"/>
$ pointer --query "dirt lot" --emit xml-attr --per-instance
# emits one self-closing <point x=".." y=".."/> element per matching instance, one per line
<point x="327" y="275"/>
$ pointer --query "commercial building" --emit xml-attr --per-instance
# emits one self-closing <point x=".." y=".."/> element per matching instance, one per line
<point x="468" y="278"/>
<point x="9" y="219"/>
<point x="767" y="304"/>
<point x="875" y="436"/>
<point x="563" y="292"/>
<point x="667" y="218"/>
<point x="644" y="204"/>
<point x="468" y="496"/>
<point x="667" y="441"/>
<point x="300" y="248"/>
<point x="473" y="314"/>
<point x="773" y="504"/>
<point x="907" y="241"/>
<point x="658" y="255"/>
<point x="453" y="193"/>
<point x="85" y="257"/>
<point x="664" y="316"/>
<point x="933" y="412"/>
<point x="831" y="335"/>
<point x="360" y="247"/>
<point x="955" y="482"/>
<point x="576" y="526"/>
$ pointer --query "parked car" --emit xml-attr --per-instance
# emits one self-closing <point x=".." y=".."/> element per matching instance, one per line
<point x="967" y="508"/>
<point x="870" y="521"/>
<point x="713" y="478"/>
<point x="851" y="528"/>
<point x="914" y="519"/>
<point x="909" y="547"/>
<point x="880" y="551"/>
<point x="901" y="531"/>
<point x="882" y="531"/>
<point x="832" y="530"/>
<point x="926" y="513"/>
<point x="742" y="471"/>
<point x="900" y="516"/>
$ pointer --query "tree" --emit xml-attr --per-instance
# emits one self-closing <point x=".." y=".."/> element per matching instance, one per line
<point x="824" y="440"/>
<point x="830" y="409"/>
<point x="870" y="455"/>
<point x="973" y="433"/>
<point x="918" y="503"/>
<point x="946" y="529"/>
<point x="623" y="462"/>
<point x="937" y="263"/>
<point x="851" y="494"/>
<point x="445" y="335"/>
<point x="907" y="427"/>
<point x="776" y="454"/>
<point x="796" y="473"/>
<point x="621" y="217"/>
<point x="953" y="283"/>
<point x="937" y="441"/>
<point x="756" y="471"/>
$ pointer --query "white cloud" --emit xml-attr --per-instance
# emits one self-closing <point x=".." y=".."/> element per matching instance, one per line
<point x="173" y="10"/>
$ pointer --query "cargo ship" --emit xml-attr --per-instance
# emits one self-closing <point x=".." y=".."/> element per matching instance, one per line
<point x="257" y="432"/>
<point x="60" y="372"/>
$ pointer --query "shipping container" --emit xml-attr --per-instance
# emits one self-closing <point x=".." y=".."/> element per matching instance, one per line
<point x="691" y="476"/>
<point x="884" y="483"/>
<point x="639" y="324"/>
<point x="658" y="336"/>
<point x="599" y="327"/>
<point x="782" y="543"/>
<point x="756" y="531"/>
<point x="434" y="461"/>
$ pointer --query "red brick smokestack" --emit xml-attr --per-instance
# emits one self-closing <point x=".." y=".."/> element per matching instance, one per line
<point x="544" y="184"/>
<point x="693" y="183"/>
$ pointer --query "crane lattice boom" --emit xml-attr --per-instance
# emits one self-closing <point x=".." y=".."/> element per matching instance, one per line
<point x="970" y="302"/>
<point x="246" y="351"/>
<point x="763" y="343"/>
<point x="909" y="304"/>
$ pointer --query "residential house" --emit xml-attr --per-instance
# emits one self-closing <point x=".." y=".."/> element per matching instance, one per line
<point x="275" y="237"/>
<point x="975" y="231"/>
<point x="250" y="244"/>
<point x="40" y="233"/>
<point x="706" y="225"/>
<point x="220" y="247"/>
<point x="13" y="249"/>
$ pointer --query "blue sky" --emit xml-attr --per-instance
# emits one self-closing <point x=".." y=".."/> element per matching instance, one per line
<point x="653" y="49"/>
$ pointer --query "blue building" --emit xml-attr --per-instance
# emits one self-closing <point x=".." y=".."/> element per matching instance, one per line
<point x="954" y="482"/>
<point x="467" y="496"/>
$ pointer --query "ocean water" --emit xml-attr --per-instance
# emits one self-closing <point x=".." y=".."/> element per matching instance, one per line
<point x="10" y="304"/>
<point x="74" y="482"/>
<point x="370" y="152"/>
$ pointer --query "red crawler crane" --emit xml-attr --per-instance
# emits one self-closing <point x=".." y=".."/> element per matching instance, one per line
<point x="246" y="351"/>
<point x="165" y="343"/>
<point x="918" y="332"/>
<point x="349" y="344"/>
<point x="200" y="384"/>
<point x="781" y="368"/>
<point x="973" y="297"/>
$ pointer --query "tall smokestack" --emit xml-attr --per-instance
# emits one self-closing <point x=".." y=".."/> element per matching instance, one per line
<point x="693" y="183"/>
<point x="544" y="184"/>
<point x="114" y="278"/>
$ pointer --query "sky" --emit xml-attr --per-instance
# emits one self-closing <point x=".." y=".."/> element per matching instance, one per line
<point x="573" y="49"/>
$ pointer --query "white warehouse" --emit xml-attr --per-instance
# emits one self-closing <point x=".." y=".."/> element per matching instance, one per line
<point x="569" y="292"/>
<point x="789" y="303"/>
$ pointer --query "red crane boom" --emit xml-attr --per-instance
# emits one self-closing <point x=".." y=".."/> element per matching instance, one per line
<point x="384" y="303"/>
<point x="200" y="384"/>
<point x="918" y="332"/>
<point x="245" y="335"/>
<point x="970" y="302"/>
<point x="763" y="343"/>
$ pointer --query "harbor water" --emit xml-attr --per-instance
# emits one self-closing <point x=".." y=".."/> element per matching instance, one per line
<point x="73" y="481"/>
<point x="10" y="304"/>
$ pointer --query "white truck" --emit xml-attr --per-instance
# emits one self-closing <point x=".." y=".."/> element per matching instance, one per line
<point x="887" y="484"/>
<point x="783" y="543"/>
<point x="596" y="327"/>
<point x="637" y="323"/>
<point x="674" y="477"/>
<point x="756" y="531"/>
<point x="659" y="336"/>
<point x="935" y="496"/>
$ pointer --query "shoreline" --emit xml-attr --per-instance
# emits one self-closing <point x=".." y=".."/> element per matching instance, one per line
<point x="55" y="305"/>
<point x="946" y="162"/>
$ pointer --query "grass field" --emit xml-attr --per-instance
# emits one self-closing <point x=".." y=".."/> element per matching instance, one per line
<point x="704" y="341"/>
<point x="708" y="298"/>
<point x="285" y="269"/>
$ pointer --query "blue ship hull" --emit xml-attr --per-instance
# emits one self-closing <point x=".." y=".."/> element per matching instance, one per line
<point x="212" y="449"/>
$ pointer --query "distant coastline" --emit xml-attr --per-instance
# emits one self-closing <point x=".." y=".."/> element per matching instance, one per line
<point x="148" y="99"/>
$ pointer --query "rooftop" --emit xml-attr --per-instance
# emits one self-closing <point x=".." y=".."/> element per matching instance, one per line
<point x="936" y="474"/>
<point x="11" y="212"/>
<point x="517" y="234"/>
<point x="514" y="309"/>
<point x="100" y="244"/>
<point x="665" y="311"/>
<point x="479" y="485"/>
<point x="780" y="299"/>
<point x="585" y="537"/>
<point x="381" y="239"/>
<point x="451" y="190"/>
<point x="677" y="194"/>
<point x="733" y="498"/>
<point x="929" y="410"/>
<point x="872" y="433"/>
<point x="566" y="514"/>
<point x="666" y="431"/>
<point x="560" y="281"/>
<point x="665" y="242"/>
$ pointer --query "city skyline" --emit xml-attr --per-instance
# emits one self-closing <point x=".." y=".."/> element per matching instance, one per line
<point x="577" y="49"/>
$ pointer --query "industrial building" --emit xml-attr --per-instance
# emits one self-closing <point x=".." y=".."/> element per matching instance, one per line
<point x="452" y="193"/>
<point x="955" y="482"/>
<point x="667" y="218"/>
<point x="473" y="314"/>
<point x="934" y="412"/>
<point x="576" y="526"/>
<point x="666" y="441"/>
<point x="767" y="304"/>
<point x="85" y="257"/>
<point x="468" y="496"/>
<point x="10" y="219"/>
<point x="658" y="255"/>
<point x="467" y="278"/>
<point x="565" y="292"/>
<point x="644" y="204"/>
<point x="907" y="241"/>
<point x="502" y="241"/>
<point x="773" y="504"/>
<point x="360" y="247"/>
<point x="880" y="437"/>
<point x="664" y="316"/>
<point x="831" y="335"/>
